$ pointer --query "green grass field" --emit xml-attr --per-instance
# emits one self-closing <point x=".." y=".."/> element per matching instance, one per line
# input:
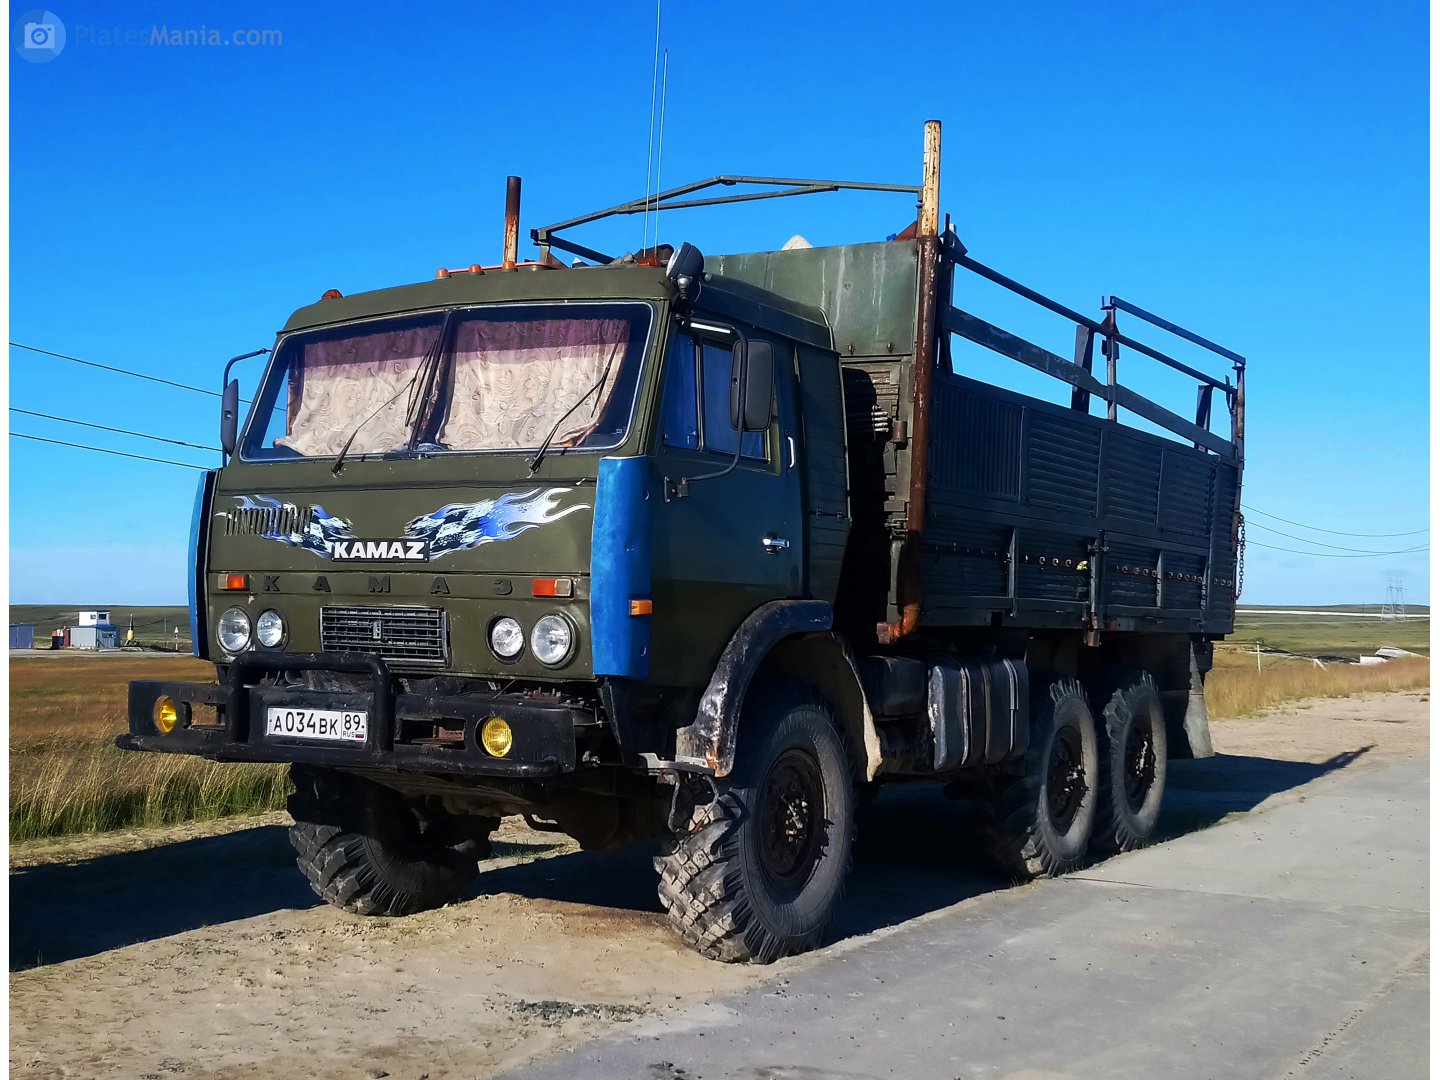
<point x="1334" y="635"/>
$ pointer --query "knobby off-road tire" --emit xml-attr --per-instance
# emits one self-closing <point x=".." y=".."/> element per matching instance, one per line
<point x="1133" y="752"/>
<point x="369" y="850"/>
<point x="758" y="873"/>
<point x="1036" y="817"/>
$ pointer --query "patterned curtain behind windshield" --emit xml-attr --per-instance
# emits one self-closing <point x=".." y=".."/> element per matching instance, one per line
<point x="514" y="380"/>
<point x="337" y="385"/>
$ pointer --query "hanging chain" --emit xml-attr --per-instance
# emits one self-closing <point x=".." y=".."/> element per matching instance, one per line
<point x="1240" y="560"/>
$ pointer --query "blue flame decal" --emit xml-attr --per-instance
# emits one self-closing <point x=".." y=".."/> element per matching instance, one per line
<point x="461" y="526"/>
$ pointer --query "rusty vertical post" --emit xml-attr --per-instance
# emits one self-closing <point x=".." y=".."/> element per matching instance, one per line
<point x="1237" y="416"/>
<point x="512" y="222"/>
<point x="927" y="242"/>
<point x="1237" y="439"/>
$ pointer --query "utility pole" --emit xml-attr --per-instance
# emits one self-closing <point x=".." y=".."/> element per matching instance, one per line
<point x="1394" y="608"/>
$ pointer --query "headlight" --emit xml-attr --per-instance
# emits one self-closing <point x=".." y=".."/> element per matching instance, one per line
<point x="506" y="638"/>
<point x="233" y="630"/>
<point x="270" y="629"/>
<point x="552" y="640"/>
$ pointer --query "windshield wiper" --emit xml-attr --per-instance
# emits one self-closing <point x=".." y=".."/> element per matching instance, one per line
<point x="540" y="453"/>
<point x="428" y="363"/>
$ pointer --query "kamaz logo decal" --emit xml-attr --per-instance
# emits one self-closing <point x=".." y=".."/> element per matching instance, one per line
<point x="380" y="550"/>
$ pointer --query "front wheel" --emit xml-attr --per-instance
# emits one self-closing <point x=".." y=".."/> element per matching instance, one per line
<point x="757" y="873"/>
<point x="371" y="851"/>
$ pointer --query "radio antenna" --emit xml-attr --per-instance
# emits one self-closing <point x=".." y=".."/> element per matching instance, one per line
<point x="660" y="148"/>
<point x="650" y="144"/>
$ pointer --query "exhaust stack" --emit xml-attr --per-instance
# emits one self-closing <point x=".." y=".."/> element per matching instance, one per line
<point x="911" y="571"/>
<point x="512" y="222"/>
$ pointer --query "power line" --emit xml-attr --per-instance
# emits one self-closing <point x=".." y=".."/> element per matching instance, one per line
<point x="132" y="374"/>
<point x="118" y="431"/>
<point x="1330" y="555"/>
<point x="118" y="371"/>
<point x="1316" y="543"/>
<point x="1333" y="532"/>
<point x="102" y="450"/>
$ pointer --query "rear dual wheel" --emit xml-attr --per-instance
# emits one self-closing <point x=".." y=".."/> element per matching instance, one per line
<point x="1090" y="783"/>
<point x="1133" y="751"/>
<point x="1037" y="815"/>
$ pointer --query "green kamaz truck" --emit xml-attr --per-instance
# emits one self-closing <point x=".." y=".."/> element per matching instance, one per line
<point x="704" y="548"/>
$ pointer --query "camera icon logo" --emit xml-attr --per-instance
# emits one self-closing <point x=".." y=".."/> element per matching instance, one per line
<point x="38" y="36"/>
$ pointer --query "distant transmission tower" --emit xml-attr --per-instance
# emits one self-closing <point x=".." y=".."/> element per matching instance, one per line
<point x="1394" y="599"/>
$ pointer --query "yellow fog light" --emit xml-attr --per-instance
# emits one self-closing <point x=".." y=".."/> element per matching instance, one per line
<point x="167" y="715"/>
<point x="495" y="736"/>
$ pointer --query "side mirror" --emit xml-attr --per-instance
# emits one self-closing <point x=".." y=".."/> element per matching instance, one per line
<point x="752" y="385"/>
<point x="229" y="416"/>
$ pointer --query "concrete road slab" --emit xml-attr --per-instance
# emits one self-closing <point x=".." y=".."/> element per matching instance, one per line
<point x="1368" y="826"/>
<point x="1290" y="942"/>
<point x="1376" y="1042"/>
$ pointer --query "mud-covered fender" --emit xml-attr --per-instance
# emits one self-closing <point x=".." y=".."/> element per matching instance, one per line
<point x="710" y="740"/>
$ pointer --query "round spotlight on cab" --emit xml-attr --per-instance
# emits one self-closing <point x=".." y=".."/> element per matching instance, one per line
<point x="506" y="638"/>
<point x="233" y="630"/>
<point x="170" y="714"/>
<point x="553" y="640"/>
<point x="270" y="628"/>
<point x="496" y="737"/>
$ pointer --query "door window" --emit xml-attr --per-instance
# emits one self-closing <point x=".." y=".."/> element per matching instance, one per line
<point x="680" y="416"/>
<point x="697" y="385"/>
<point x="720" y="435"/>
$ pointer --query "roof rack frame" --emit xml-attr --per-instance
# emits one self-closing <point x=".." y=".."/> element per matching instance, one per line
<point x="545" y="237"/>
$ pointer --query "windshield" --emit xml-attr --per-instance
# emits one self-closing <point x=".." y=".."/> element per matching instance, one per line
<point x="500" y="379"/>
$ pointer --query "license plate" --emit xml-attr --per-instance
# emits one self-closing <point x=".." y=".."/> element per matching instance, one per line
<point x="319" y="725"/>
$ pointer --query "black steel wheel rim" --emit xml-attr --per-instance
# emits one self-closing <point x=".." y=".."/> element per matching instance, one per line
<point x="792" y="821"/>
<point x="1139" y="764"/>
<point x="1065" y="779"/>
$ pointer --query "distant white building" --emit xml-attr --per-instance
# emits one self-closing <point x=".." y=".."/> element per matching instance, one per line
<point x="93" y="631"/>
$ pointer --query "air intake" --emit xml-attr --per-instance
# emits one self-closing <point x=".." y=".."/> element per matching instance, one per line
<point x="403" y="636"/>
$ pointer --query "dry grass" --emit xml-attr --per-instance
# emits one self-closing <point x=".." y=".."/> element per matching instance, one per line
<point x="1235" y="688"/>
<point x="67" y="776"/>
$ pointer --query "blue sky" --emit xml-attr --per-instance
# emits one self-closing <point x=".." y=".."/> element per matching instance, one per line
<point x="1258" y="172"/>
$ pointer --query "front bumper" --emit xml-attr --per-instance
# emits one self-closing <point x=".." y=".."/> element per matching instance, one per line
<point x="545" y="733"/>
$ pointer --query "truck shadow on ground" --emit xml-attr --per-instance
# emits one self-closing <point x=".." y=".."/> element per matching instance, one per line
<point x="917" y="853"/>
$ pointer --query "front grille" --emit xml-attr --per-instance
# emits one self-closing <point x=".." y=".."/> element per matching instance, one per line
<point x="400" y="635"/>
<point x="269" y="521"/>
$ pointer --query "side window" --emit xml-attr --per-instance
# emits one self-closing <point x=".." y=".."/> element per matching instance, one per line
<point x="680" y="422"/>
<point x="720" y="436"/>
<point x="266" y="431"/>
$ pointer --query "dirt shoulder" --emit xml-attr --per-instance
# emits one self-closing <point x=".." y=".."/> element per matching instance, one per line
<point x="201" y="952"/>
<point x="1381" y="728"/>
